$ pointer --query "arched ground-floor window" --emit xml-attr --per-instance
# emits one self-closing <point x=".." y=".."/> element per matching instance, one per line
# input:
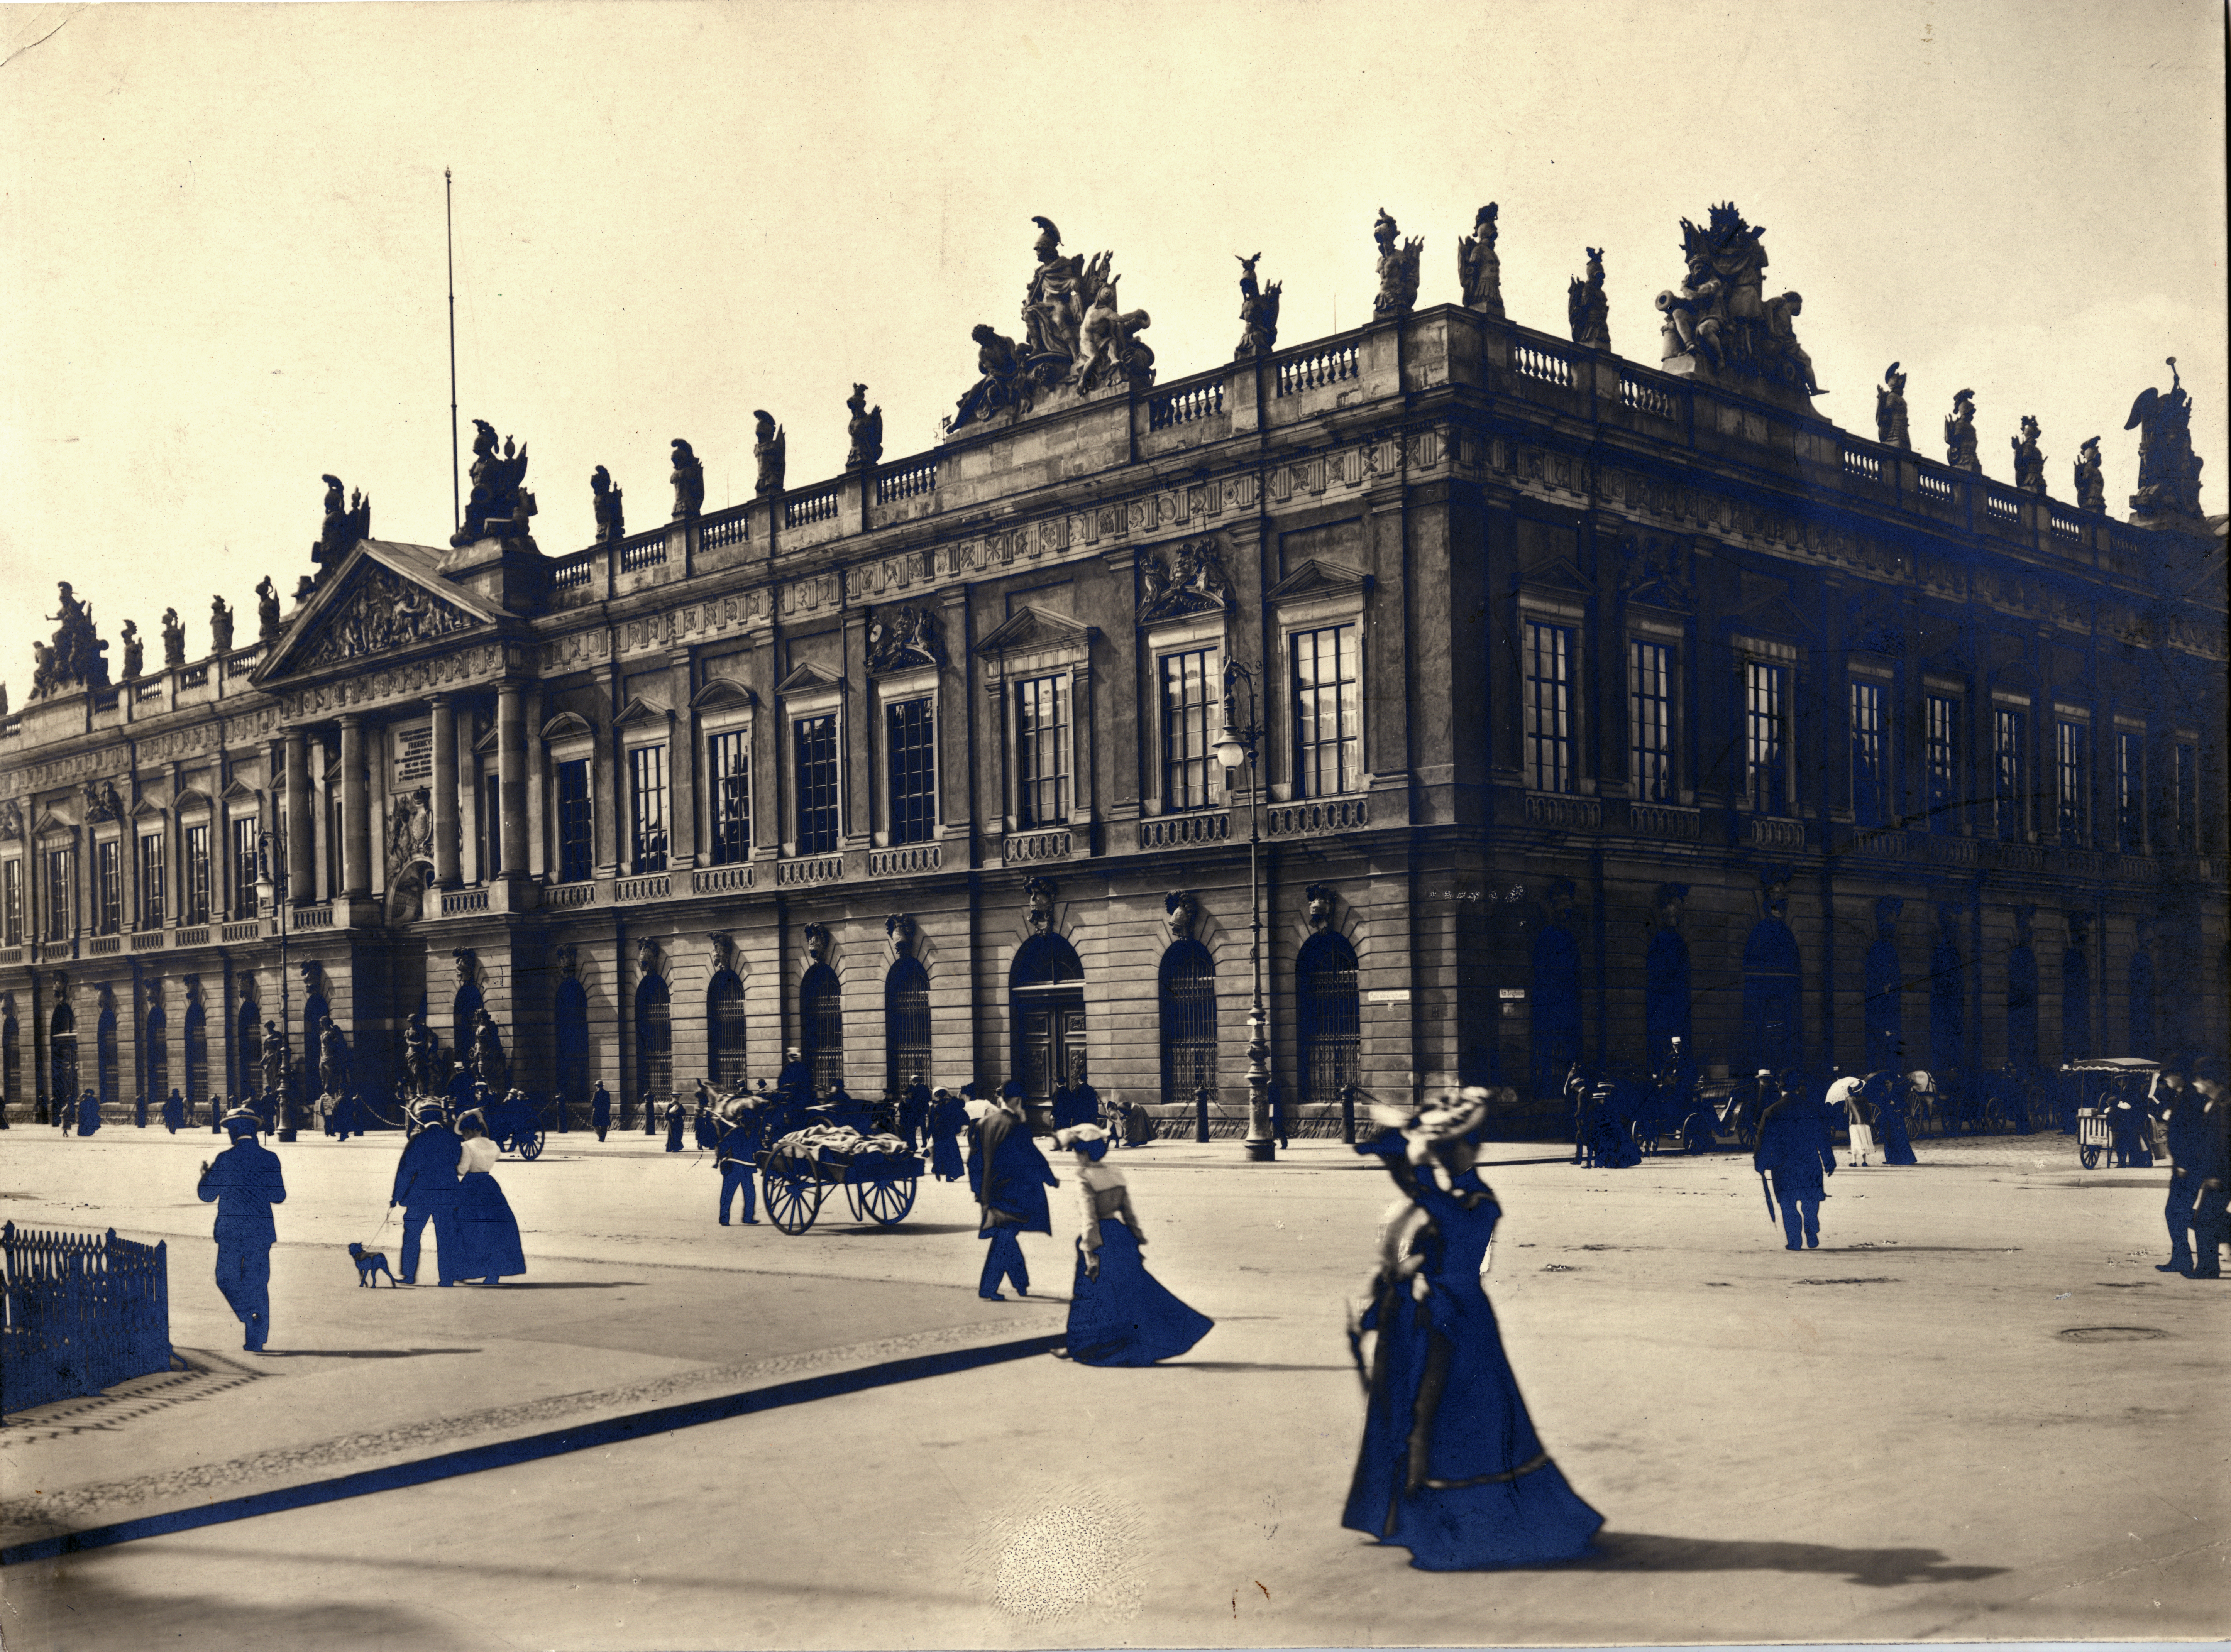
<point x="821" y="1028"/>
<point x="2142" y="1005"/>
<point x="62" y="1055"/>
<point x="1188" y="999"/>
<point x="196" y="1042"/>
<point x="906" y="1025"/>
<point x="156" y="1047"/>
<point x="247" y="1053"/>
<point x="1328" y="1015"/>
<point x="1772" y="1025"/>
<point x="569" y="1026"/>
<point x="654" y="1040"/>
<point x="106" y="1074"/>
<point x="724" y="1030"/>
<point x="12" y="1064"/>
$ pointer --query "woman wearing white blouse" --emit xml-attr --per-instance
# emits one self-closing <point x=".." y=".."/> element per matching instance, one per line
<point x="488" y="1232"/>
<point x="1119" y="1314"/>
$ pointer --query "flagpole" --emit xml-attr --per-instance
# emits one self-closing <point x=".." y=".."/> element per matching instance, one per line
<point x="450" y="240"/>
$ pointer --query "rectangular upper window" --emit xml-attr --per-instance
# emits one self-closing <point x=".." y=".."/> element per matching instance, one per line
<point x="728" y="792"/>
<point x="62" y="894"/>
<point x="576" y="823"/>
<point x="108" y="886"/>
<point x="1188" y="727"/>
<point x="1870" y="756"/>
<point x="2130" y="791"/>
<point x="2184" y="797"/>
<point x="817" y="772"/>
<point x="194" y="891"/>
<point x="1549" y="743"/>
<point x="150" y="881"/>
<point x="11" y="903"/>
<point x="1940" y="761"/>
<point x="1650" y="721"/>
<point x="246" y="866"/>
<point x="2072" y="777"/>
<point x="910" y="765"/>
<point x="491" y="825"/>
<point x="647" y="841"/>
<point x="1328" y="692"/>
<point x="2009" y="729"/>
<point x="1766" y="736"/>
<point x="1042" y="751"/>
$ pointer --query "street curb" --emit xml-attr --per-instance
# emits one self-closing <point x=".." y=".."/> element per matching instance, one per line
<point x="533" y="1448"/>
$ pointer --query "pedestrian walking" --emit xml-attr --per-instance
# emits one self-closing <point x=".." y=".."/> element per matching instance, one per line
<point x="488" y="1234"/>
<point x="2211" y="1205"/>
<point x="703" y="1129"/>
<point x="1119" y="1314"/>
<point x="1891" y="1134"/>
<point x="1450" y="1468"/>
<point x="244" y="1182"/>
<point x="740" y="1125"/>
<point x="174" y="1112"/>
<point x="795" y="1080"/>
<point x="1011" y="1201"/>
<point x="426" y="1187"/>
<point x="1795" y="1153"/>
<point x="2184" y="1110"/>
<point x="2130" y="1128"/>
<point x="1847" y="1095"/>
<point x="948" y="1117"/>
<point x="600" y="1111"/>
<point x="66" y="1115"/>
<point x="677" y="1114"/>
<point x="219" y="1106"/>
<point x="88" y="1114"/>
<point x="914" y="1115"/>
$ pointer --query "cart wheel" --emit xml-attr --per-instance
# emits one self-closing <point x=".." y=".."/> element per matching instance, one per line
<point x="2087" y="1155"/>
<point x="885" y="1200"/>
<point x="531" y="1146"/>
<point x="793" y="1199"/>
<point x="1695" y="1134"/>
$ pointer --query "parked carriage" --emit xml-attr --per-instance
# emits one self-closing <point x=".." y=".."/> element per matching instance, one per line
<point x="2102" y="1085"/>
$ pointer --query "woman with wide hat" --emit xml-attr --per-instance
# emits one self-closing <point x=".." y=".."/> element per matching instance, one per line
<point x="1119" y="1314"/>
<point x="487" y="1233"/>
<point x="1450" y="1468"/>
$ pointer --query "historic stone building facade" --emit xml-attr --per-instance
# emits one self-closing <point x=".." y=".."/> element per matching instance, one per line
<point x="1599" y="702"/>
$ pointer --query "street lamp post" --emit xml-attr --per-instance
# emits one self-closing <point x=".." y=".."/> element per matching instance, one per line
<point x="267" y="894"/>
<point x="1238" y="744"/>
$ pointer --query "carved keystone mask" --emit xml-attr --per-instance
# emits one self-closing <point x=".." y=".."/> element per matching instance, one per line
<point x="1039" y="892"/>
<point x="1184" y="911"/>
<point x="1319" y="898"/>
<point x="816" y="943"/>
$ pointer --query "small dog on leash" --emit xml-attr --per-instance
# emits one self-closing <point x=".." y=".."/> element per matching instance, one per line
<point x="370" y="1265"/>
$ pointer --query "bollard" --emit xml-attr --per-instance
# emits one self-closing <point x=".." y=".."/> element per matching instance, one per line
<point x="1200" y="1113"/>
<point x="1347" y="1114"/>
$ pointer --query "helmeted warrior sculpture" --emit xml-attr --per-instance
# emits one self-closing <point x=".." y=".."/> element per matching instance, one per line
<point x="220" y="625"/>
<point x="2029" y="462"/>
<point x="688" y="481"/>
<point x="1398" y="268"/>
<point x="344" y="527"/>
<point x="1259" y="312"/>
<point x="2091" y="486"/>
<point x="1076" y="336"/>
<point x="612" y="525"/>
<point x="2169" y="471"/>
<point x="1587" y="307"/>
<point x="1960" y="433"/>
<point x="769" y="447"/>
<point x="74" y="659"/>
<point x="1890" y="410"/>
<point x="1719" y="318"/>
<point x="1479" y="271"/>
<point x="134" y="651"/>
<point x="865" y="428"/>
<point x="267" y="610"/>
<point x="499" y="507"/>
<point x="174" y="638"/>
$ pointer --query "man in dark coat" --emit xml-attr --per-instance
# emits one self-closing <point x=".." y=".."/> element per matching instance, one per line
<point x="2182" y="1110"/>
<point x="1083" y="1099"/>
<point x="795" y="1080"/>
<point x="600" y="1111"/>
<point x="2211" y="1205"/>
<point x="739" y="1124"/>
<point x="88" y="1114"/>
<point x="1794" y="1149"/>
<point x="426" y="1187"/>
<point x="1013" y="1200"/>
<point x="913" y="1115"/>
<point x="677" y="1114"/>
<point x="244" y="1183"/>
<point x="174" y="1112"/>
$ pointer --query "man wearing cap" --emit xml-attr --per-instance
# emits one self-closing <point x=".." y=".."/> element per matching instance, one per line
<point x="244" y="1183"/>
<point x="1012" y="1200"/>
<point x="740" y="1125"/>
<point x="1793" y="1149"/>
<point x="2211" y="1170"/>
<point x="600" y="1111"/>
<point x="795" y="1080"/>
<point x="2182" y="1109"/>
<point x="174" y="1112"/>
<point x="426" y="1187"/>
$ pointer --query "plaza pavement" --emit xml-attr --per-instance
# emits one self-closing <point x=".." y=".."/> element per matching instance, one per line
<point x="1892" y="1438"/>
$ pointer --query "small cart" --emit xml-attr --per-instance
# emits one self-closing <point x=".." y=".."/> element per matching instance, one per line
<point x="2103" y="1085"/>
<point x="2095" y="1134"/>
<point x="880" y="1187"/>
<point x="515" y="1126"/>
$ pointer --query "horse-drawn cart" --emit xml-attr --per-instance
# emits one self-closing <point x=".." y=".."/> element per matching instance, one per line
<point x="516" y="1124"/>
<point x="795" y="1178"/>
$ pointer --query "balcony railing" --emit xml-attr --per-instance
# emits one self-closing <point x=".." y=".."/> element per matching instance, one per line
<point x="1170" y="831"/>
<point x="1319" y="816"/>
<point x="1318" y="368"/>
<point x="720" y="879"/>
<point x="11" y="954"/>
<point x="576" y="570"/>
<point x="652" y="886"/>
<point x="1532" y="361"/>
<point x="904" y="860"/>
<point x="1646" y="397"/>
<point x="197" y="936"/>
<point x="456" y="901"/>
<point x="1560" y="813"/>
<point x="102" y="945"/>
<point x="194" y="677"/>
<point x="1865" y="465"/>
<point x="1771" y="832"/>
<point x="1936" y="487"/>
<point x="1664" y="821"/>
<point x="562" y="895"/>
<point x="910" y="479"/>
<point x="1052" y="845"/>
<point x="730" y="528"/>
<point x="644" y="550"/>
<point x="247" y="929"/>
<point x="148" y="940"/>
<point x="2003" y="507"/>
<point x="813" y="869"/>
<point x="245" y="661"/>
<point x="1183" y="407"/>
<point x="318" y="915"/>
<point x="2066" y="526"/>
<point x="819" y="506"/>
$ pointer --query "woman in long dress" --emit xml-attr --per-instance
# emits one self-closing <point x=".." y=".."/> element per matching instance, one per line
<point x="487" y="1233"/>
<point x="1119" y="1314"/>
<point x="1450" y="1468"/>
<point x="1892" y="1132"/>
<point x="948" y="1117"/>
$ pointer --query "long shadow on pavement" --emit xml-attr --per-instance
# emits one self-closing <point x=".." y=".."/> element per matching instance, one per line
<point x="1875" y="1568"/>
<point x="359" y="1354"/>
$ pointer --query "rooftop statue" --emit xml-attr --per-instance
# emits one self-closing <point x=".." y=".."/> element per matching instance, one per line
<point x="174" y="638"/>
<point x="999" y="386"/>
<point x="2091" y="486"/>
<point x="1890" y="410"/>
<point x="770" y="447"/>
<point x="1398" y="268"/>
<point x="1110" y="347"/>
<point x="688" y="481"/>
<point x="305" y="587"/>
<point x="1587" y="307"/>
<point x="1479" y="272"/>
<point x="344" y="527"/>
<point x="2029" y="462"/>
<point x="498" y="507"/>
<point x="612" y="525"/>
<point x="1719" y="319"/>
<point x="1259" y="312"/>
<point x="220" y="626"/>
<point x="267" y="610"/>
<point x="1960" y="433"/>
<point x="2169" y="471"/>
<point x="865" y="428"/>
<point x="74" y="659"/>
<point x="135" y="652"/>
<point x="1075" y="337"/>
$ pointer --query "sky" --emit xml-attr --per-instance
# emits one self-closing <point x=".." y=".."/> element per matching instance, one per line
<point x="222" y="248"/>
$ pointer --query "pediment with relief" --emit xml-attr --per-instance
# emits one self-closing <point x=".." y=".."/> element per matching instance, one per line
<point x="1316" y="576"/>
<point x="1191" y="582"/>
<point x="371" y="610"/>
<point x="639" y="711"/>
<point x="1762" y="606"/>
<point x="1028" y="629"/>
<point x="808" y="680"/>
<point x="722" y="694"/>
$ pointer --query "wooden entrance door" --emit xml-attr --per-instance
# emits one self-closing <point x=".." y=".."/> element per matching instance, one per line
<point x="1049" y="1039"/>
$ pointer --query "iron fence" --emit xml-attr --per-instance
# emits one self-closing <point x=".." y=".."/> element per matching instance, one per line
<point x="85" y="1311"/>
